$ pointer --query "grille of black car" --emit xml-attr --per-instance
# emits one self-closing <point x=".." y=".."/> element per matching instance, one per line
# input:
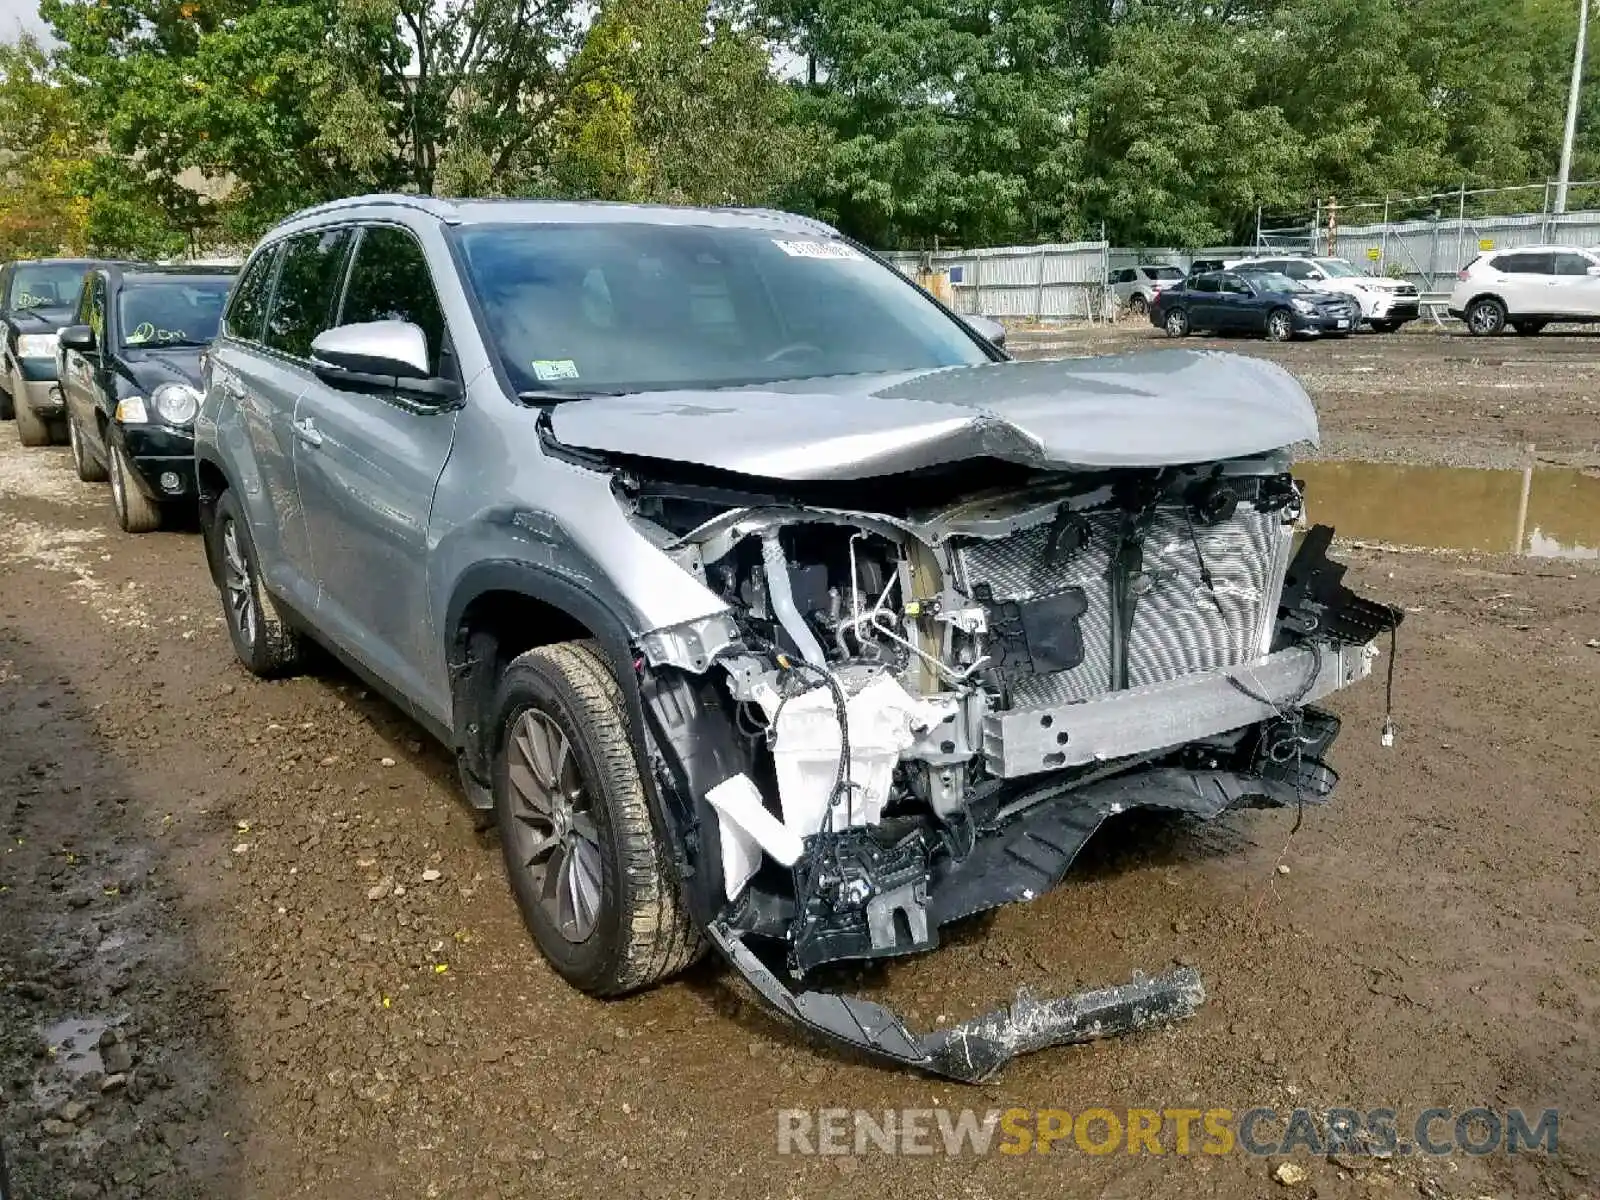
<point x="1179" y="625"/>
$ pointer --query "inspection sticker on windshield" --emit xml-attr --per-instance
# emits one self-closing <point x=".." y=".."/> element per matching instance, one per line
<point x="816" y="249"/>
<point x="547" y="370"/>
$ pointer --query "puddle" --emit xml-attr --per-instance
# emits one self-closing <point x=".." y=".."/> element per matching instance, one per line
<point x="75" y="1045"/>
<point x="1535" y="512"/>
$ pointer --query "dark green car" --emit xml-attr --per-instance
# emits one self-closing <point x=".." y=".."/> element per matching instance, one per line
<point x="37" y="298"/>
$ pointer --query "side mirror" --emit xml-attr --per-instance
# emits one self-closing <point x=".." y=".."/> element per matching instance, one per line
<point x="989" y="329"/>
<point x="397" y="349"/>
<point x="77" y="337"/>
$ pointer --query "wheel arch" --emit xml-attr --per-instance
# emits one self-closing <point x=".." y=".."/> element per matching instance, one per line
<point x="501" y="608"/>
<point x="211" y="480"/>
<point x="1481" y="296"/>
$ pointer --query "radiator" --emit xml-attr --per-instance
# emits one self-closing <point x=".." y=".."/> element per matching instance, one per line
<point x="1179" y="625"/>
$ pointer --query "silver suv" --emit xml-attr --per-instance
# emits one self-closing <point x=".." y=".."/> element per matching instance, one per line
<point x="762" y="599"/>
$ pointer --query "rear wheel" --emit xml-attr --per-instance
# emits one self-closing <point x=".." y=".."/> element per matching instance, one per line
<point x="1528" y="328"/>
<point x="32" y="429"/>
<point x="1176" y="323"/>
<point x="1138" y="306"/>
<point x="90" y="469"/>
<point x="136" y="512"/>
<point x="1486" y="317"/>
<point x="589" y="869"/>
<point x="1280" y="325"/>
<point x="263" y="641"/>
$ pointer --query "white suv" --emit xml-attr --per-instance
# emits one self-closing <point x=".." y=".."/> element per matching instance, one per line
<point x="1386" y="304"/>
<point x="1527" y="288"/>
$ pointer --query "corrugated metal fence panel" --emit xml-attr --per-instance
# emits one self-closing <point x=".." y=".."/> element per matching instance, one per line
<point x="1051" y="281"/>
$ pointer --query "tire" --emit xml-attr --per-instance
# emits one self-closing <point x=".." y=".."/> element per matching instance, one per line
<point x="1528" y="328"/>
<point x="266" y="644"/>
<point x="1280" y="325"/>
<point x="586" y="863"/>
<point x="32" y="429"/>
<point x="1386" y="326"/>
<point x="1176" y="323"/>
<point x="136" y="512"/>
<point x="89" y="468"/>
<point x="1138" y="306"/>
<point x="1486" y="317"/>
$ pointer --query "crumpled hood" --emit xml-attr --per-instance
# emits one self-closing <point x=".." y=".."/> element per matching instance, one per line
<point x="1163" y="408"/>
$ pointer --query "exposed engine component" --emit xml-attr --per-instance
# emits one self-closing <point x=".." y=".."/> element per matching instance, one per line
<point x="910" y="685"/>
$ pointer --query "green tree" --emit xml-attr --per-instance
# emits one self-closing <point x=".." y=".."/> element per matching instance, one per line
<point x="44" y="148"/>
<point x="670" y="102"/>
<point x="1177" y="150"/>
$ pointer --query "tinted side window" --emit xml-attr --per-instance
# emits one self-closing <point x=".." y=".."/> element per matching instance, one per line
<point x="1297" y="270"/>
<point x="390" y="282"/>
<point x="248" y="309"/>
<point x="94" y="299"/>
<point x="80" y="315"/>
<point x="308" y="288"/>
<point x="1524" y="264"/>
<point x="1206" y="283"/>
<point x="1124" y="276"/>
<point x="1572" y="264"/>
<point x="1235" y="287"/>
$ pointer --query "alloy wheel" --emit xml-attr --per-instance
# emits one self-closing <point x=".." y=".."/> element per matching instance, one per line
<point x="119" y="498"/>
<point x="1177" y="323"/>
<point x="556" y="837"/>
<point x="236" y="579"/>
<point x="1279" y="327"/>
<point x="1485" y="318"/>
<point x="75" y="444"/>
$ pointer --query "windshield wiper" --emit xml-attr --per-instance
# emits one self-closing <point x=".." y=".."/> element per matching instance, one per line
<point x="559" y="395"/>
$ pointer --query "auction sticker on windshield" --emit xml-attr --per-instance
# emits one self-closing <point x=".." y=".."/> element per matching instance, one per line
<point x="547" y="370"/>
<point x="816" y="249"/>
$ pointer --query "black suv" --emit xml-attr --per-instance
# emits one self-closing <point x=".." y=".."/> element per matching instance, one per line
<point x="36" y="299"/>
<point x="131" y="376"/>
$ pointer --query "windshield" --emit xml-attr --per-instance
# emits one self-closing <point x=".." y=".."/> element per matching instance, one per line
<point x="619" y="306"/>
<point x="1272" y="281"/>
<point x="171" y="312"/>
<point x="1338" y="268"/>
<point x="1163" y="272"/>
<point x="46" y="285"/>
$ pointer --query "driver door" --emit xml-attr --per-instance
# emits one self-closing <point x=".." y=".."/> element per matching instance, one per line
<point x="83" y="371"/>
<point x="366" y="464"/>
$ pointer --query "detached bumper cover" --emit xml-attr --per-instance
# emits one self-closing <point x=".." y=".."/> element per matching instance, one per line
<point x="974" y="1050"/>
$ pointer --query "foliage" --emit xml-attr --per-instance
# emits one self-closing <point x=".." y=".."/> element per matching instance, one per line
<point x="159" y="126"/>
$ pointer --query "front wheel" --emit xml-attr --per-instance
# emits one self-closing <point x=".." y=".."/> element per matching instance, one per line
<point x="89" y="468"/>
<point x="589" y="869"/>
<point x="1486" y="317"/>
<point x="136" y="512"/>
<point x="1280" y="325"/>
<point x="263" y="641"/>
<point x="1176" y="323"/>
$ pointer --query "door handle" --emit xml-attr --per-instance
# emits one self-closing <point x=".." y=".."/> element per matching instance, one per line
<point x="306" y="431"/>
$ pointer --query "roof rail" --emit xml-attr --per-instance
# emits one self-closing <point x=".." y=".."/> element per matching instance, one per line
<point x="432" y="205"/>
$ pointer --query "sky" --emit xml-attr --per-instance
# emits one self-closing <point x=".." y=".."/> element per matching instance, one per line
<point x="17" y="15"/>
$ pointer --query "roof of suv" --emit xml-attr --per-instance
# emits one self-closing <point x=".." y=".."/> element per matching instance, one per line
<point x="519" y="211"/>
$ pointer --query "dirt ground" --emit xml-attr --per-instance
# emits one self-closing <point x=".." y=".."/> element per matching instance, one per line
<point x="251" y="945"/>
<point x="1422" y="396"/>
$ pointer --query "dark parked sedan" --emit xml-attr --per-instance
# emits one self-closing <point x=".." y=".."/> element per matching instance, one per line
<point x="1260" y="302"/>
<point x="131" y="376"/>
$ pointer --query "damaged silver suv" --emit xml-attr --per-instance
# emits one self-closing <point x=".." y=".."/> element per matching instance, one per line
<point x="763" y="600"/>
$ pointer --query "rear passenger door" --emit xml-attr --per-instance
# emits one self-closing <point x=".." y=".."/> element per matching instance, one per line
<point x="367" y="463"/>
<point x="262" y="384"/>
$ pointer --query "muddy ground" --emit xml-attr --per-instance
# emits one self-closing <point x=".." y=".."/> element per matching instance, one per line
<point x="1422" y="396"/>
<point x="252" y="945"/>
